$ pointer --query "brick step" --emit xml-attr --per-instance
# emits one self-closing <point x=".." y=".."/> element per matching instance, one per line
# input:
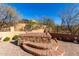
<point x="60" y="50"/>
<point x="41" y="45"/>
<point x="38" y="52"/>
<point x="32" y="51"/>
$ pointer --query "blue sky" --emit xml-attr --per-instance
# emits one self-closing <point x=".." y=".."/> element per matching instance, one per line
<point x="37" y="10"/>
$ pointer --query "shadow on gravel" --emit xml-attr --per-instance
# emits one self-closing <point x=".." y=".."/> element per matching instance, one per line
<point x="75" y="42"/>
<point x="14" y="42"/>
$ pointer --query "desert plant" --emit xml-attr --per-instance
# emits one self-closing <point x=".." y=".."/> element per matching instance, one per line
<point x="15" y="37"/>
<point x="8" y="16"/>
<point x="6" y="39"/>
<point x="50" y="25"/>
<point x="31" y="24"/>
<point x="70" y="19"/>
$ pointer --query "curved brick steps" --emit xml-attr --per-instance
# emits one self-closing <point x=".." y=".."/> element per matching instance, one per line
<point x="60" y="50"/>
<point x="33" y="51"/>
<point x="42" y="52"/>
<point x="37" y="47"/>
<point x="41" y="45"/>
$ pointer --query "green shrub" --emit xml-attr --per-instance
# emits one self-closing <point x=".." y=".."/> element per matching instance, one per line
<point x="6" y="39"/>
<point x="15" y="37"/>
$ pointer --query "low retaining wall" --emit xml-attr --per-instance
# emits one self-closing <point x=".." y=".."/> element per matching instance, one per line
<point x="10" y="34"/>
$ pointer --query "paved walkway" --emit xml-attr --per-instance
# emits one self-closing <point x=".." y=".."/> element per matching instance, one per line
<point x="9" y="49"/>
<point x="71" y="49"/>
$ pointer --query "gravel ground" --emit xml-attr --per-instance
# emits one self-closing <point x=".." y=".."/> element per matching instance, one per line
<point x="71" y="49"/>
<point x="9" y="49"/>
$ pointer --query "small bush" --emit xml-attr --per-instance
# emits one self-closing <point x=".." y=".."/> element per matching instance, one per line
<point x="6" y="39"/>
<point x="15" y="37"/>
